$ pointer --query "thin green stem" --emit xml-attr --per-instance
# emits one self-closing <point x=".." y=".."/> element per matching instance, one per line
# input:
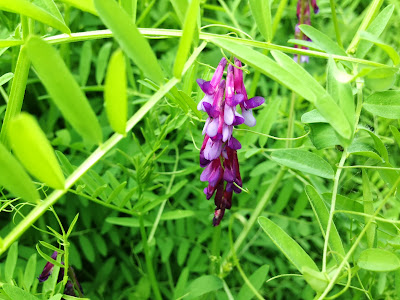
<point x="332" y="210"/>
<point x="17" y="93"/>
<point x="149" y="262"/>
<point x="160" y="211"/>
<point x="336" y="24"/>
<point x="373" y="9"/>
<point x="25" y="27"/>
<point x="278" y="16"/>
<point x="231" y="16"/>
<point x="237" y="264"/>
<point x="40" y="209"/>
<point x="167" y="33"/>
<point x="291" y="119"/>
<point x="357" y="241"/>
<point x="256" y="213"/>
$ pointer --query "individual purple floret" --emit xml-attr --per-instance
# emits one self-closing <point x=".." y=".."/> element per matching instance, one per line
<point x="303" y="17"/>
<point x="218" y="153"/>
<point x="48" y="269"/>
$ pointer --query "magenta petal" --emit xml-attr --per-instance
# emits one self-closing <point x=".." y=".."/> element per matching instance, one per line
<point x="211" y="111"/>
<point x="237" y="99"/>
<point x="238" y="119"/>
<point x="234" y="144"/>
<point x="218" y="215"/>
<point x="205" y="175"/>
<point x="205" y="86"/>
<point x="253" y="102"/>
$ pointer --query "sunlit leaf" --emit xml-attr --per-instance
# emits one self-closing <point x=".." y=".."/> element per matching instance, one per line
<point x="34" y="151"/>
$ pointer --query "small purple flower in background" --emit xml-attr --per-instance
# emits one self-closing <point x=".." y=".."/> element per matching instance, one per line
<point x="69" y="287"/>
<point x="303" y="17"/>
<point x="48" y="269"/>
<point x="218" y="154"/>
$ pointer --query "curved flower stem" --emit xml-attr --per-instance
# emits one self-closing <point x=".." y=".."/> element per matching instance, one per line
<point x="332" y="210"/>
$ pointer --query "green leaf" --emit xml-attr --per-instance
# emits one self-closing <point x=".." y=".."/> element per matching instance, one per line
<point x="87" y="248"/>
<point x="203" y="285"/>
<point x="378" y="260"/>
<point x="269" y="115"/>
<point x="6" y="78"/>
<point x="180" y="7"/>
<point x="14" y="178"/>
<point x="384" y="104"/>
<point x="85" y="62"/>
<point x="328" y="108"/>
<point x="102" y="61"/>
<point x="341" y="91"/>
<point x="394" y="56"/>
<point x="368" y="208"/>
<point x="303" y="161"/>
<point x="177" y="214"/>
<point x="381" y="79"/>
<point x="130" y="39"/>
<point x="34" y="151"/>
<point x="11" y="262"/>
<point x="322" y="214"/>
<point x="257" y="279"/>
<point x="189" y="29"/>
<point x="359" y="148"/>
<point x="85" y="5"/>
<point x="396" y="134"/>
<point x="17" y="293"/>
<point x="379" y="145"/>
<point x="289" y="247"/>
<point x="323" y="136"/>
<point x="50" y="7"/>
<point x="29" y="9"/>
<point x="322" y="40"/>
<point x="63" y="89"/>
<point x="375" y="28"/>
<point x="48" y="258"/>
<point x="261" y="11"/>
<point x="115" y="93"/>
<point x="72" y="225"/>
<point x="317" y="280"/>
<point x="51" y="247"/>
<point x="30" y="272"/>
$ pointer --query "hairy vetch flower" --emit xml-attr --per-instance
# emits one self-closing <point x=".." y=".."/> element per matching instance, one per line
<point x="48" y="270"/>
<point x="218" y="154"/>
<point x="303" y="17"/>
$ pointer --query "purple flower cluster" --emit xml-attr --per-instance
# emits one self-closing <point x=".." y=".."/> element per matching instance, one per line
<point x="303" y="17"/>
<point x="218" y="153"/>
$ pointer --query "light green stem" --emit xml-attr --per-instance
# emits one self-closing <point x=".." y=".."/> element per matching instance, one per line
<point x="83" y="168"/>
<point x="149" y="263"/>
<point x="332" y="210"/>
<point x="336" y="24"/>
<point x="373" y="9"/>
